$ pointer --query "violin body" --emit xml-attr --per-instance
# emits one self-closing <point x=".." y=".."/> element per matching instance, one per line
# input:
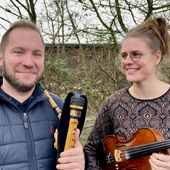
<point x="127" y="155"/>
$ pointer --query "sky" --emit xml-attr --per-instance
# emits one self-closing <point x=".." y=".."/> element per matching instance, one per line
<point x="12" y="18"/>
<point x="7" y="16"/>
<point x="81" y="23"/>
<point x="5" y="24"/>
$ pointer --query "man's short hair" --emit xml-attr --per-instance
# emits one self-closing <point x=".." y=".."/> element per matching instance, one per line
<point x="18" y="24"/>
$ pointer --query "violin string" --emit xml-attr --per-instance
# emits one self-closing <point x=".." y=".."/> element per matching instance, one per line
<point x="143" y="149"/>
<point x="147" y="148"/>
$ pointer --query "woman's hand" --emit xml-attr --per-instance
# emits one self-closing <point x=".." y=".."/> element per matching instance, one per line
<point x="160" y="161"/>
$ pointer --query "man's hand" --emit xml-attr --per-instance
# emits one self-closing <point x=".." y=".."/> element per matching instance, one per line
<point x="73" y="158"/>
<point x="160" y="161"/>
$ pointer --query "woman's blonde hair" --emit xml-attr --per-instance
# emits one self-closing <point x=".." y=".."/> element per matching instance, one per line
<point x="155" y="31"/>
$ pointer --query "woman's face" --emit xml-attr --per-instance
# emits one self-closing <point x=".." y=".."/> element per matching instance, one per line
<point x="144" y="69"/>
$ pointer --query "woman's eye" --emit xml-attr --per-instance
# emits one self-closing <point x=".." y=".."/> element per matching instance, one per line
<point x="136" y="54"/>
<point x="124" y="55"/>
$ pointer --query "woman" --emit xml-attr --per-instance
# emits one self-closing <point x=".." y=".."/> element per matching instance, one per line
<point x="146" y="102"/>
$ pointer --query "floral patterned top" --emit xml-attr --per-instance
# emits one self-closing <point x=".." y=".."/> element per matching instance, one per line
<point x="122" y="114"/>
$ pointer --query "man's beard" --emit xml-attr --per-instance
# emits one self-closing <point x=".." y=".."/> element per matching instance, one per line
<point x="16" y="84"/>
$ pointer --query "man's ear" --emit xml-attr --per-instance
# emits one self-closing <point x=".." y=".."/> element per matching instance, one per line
<point x="1" y="59"/>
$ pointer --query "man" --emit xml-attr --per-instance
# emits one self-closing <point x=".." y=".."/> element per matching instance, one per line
<point x="27" y="120"/>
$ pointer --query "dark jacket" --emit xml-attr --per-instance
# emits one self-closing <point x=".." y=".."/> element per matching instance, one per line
<point x="26" y="139"/>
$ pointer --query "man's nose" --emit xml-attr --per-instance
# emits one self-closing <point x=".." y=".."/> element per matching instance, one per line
<point x="28" y="60"/>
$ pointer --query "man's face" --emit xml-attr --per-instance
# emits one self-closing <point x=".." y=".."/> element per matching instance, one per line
<point x="23" y="60"/>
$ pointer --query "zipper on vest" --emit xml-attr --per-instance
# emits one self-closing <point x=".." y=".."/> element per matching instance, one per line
<point x="30" y="142"/>
<point x="25" y="120"/>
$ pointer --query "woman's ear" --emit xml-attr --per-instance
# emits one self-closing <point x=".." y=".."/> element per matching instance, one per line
<point x="158" y="57"/>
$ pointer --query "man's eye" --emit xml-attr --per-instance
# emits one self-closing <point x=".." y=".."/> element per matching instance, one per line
<point x="18" y="52"/>
<point x="38" y="54"/>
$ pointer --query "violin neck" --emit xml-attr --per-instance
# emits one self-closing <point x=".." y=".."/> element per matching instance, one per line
<point x="146" y="149"/>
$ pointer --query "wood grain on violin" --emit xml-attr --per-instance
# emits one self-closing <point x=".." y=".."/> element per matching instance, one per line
<point x="135" y="153"/>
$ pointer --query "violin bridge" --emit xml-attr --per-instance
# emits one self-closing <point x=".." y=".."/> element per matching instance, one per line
<point x="117" y="155"/>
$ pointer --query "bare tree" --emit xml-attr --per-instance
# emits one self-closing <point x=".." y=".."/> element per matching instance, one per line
<point x="95" y="21"/>
<point x="21" y="10"/>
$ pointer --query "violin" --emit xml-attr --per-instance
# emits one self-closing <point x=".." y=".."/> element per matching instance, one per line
<point x="135" y="153"/>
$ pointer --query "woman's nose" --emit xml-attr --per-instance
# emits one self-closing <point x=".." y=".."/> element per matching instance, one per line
<point x="128" y="59"/>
